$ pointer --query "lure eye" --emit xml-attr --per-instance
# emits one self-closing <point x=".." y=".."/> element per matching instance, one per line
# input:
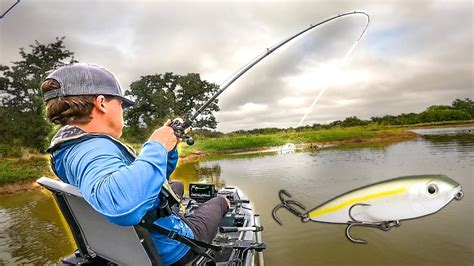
<point x="432" y="189"/>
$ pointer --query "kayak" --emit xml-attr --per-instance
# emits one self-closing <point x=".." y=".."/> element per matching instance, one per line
<point x="239" y="231"/>
<point x="100" y="242"/>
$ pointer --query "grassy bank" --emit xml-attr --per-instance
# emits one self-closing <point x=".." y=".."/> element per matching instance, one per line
<point x="335" y="135"/>
<point x="26" y="167"/>
<point x="254" y="142"/>
<point x="17" y="170"/>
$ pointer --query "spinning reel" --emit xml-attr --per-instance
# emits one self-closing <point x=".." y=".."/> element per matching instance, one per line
<point x="179" y="130"/>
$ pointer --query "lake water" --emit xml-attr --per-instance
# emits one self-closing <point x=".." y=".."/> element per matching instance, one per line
<point x="32" y="231"/>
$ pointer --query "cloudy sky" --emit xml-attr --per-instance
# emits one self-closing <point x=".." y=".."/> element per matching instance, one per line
<point x="415" y="53"/>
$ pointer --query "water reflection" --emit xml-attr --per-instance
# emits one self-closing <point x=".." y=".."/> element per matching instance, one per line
<point x="210" y="174"/>
<point x="460" y="142"/>
<point x="31" y="230"/>
<point x="459" y="139"/>
<point x="196" y="172"/>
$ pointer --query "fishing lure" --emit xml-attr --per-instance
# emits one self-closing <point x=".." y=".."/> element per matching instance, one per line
<point x="381" y="205"/>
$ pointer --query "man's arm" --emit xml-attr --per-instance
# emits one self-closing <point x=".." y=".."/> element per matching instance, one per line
<point x="120" y="191"/>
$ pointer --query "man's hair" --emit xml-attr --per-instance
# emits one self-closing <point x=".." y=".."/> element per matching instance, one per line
<point x="68" y="109"/>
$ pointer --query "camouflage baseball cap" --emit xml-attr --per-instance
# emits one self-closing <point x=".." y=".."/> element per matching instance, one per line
<point x="85" y="79"/>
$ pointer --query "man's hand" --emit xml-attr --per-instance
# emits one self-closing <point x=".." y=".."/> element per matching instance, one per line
<point x="228" y="201"/>
<point x="165" y="136"/>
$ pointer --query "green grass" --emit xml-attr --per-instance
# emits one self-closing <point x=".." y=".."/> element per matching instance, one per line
<point x="7" y="150"/>
<point x="15" y="170"/>
<point x="252" y="142"/>
<point x="242" y="142"/>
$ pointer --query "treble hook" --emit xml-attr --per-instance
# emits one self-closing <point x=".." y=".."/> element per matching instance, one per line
<point x="384" y="225"/>
<point x="289" y="205"/>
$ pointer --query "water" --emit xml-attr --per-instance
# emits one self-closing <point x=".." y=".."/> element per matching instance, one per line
<point x="31" y="230"/>
<point x="445" y="238"/>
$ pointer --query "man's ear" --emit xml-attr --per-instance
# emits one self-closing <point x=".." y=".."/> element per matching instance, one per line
<point x="100" y="104"/>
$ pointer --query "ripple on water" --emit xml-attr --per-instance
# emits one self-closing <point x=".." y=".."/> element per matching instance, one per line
<point x="31" y="231"/>
<point x="5" y="240"/>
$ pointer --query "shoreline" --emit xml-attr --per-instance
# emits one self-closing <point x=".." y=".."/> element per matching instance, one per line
<point x="383" y="140"/>
<point x="31" y="185"/>
<point x="20" y="186"/>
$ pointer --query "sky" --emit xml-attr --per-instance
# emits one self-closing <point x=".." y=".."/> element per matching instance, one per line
<point x="415" y="53"/>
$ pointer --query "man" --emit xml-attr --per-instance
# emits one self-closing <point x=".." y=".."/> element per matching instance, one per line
<point x="87" y="101"/>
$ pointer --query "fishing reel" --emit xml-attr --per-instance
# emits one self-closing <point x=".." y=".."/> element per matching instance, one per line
<point x="179" y="131"/>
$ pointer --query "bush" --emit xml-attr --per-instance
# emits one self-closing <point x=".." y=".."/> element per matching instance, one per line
<point x="135" y="135"/>
<point x="443" y="115"/>
<point x="206" y="133"/>
<point x="26" y="129"/>
<point x="10" y="150"/>
<point x="466" y="105"/>
<point x="23" y="169"/>
<point x="353" y="121"/>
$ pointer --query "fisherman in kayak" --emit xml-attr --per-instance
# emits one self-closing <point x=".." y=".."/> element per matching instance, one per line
<point x="87" y="101"/>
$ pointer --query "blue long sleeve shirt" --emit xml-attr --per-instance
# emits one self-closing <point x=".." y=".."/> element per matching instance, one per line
<point x="123" y="188"/>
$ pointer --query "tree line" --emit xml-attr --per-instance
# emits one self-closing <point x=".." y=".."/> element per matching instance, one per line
<point x="158" y="97"/>
<point x="459" y="110"/>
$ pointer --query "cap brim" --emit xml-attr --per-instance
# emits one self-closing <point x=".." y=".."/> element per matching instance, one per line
<point x="127" y="103"/>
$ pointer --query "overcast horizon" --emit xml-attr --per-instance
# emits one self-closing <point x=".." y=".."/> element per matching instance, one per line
<point x="414" y="54"/>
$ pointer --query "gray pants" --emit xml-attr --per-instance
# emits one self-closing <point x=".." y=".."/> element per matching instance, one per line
<point x="204" y="222"/>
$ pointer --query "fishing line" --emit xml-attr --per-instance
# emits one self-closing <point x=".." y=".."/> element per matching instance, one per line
<point x="190" y="117"/>
<point x="344" y="61"/>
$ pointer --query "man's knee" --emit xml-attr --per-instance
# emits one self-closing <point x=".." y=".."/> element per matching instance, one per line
<point x="218" y="203"/>
<point x="177" y="187"/>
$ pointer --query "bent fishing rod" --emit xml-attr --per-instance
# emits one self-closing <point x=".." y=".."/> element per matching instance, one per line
<point x="179" y="127"/>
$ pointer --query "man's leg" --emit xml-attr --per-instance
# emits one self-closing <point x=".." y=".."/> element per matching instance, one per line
<point x="177" y="187"/>
<point x="205" y="220"/>
<point x="204" y="223"/>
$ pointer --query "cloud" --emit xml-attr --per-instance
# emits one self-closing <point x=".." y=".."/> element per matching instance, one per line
<point x="414" y="54"/>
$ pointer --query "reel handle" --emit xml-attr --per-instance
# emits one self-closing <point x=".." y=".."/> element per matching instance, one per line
<point x="179" y="128"/>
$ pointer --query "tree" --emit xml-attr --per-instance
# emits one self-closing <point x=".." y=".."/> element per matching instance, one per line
<point x="443" y="115"/>
<point x="21" y="112"/>
<point x="376" y="119"/>
<point x="390" y="120"/>
<point x="466" y="105"/>
<point x="353" y="121"/>
<point x="334" y="124"/>
<point x="410" y="118"/>
<point x="162" y="96"/>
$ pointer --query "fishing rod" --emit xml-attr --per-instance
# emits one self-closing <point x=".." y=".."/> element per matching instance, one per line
<point x="180" y="127"/>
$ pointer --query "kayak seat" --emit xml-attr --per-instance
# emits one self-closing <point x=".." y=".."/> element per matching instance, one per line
<point x="98" y="240"/>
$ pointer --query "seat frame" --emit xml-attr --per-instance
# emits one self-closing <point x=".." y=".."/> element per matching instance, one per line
<point x="84" y="254"/>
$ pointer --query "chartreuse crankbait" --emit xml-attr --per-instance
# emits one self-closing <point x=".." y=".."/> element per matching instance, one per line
<point x="381" y="205"/>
